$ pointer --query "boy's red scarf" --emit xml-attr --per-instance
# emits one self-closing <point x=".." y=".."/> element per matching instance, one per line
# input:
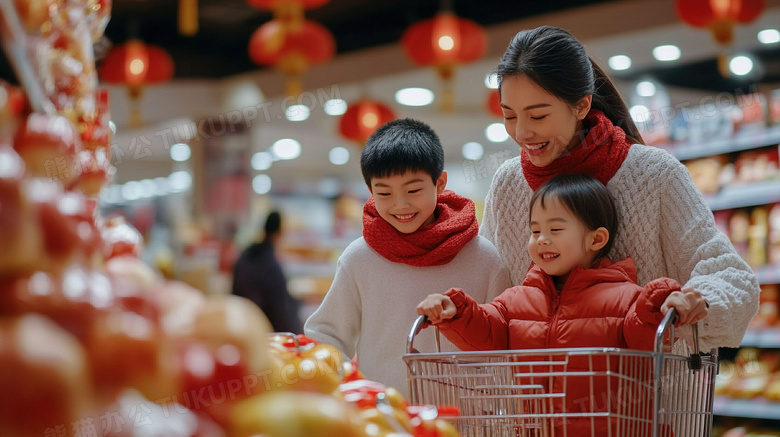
<point x="600" y="154"/>
<point x="432" y="245"/>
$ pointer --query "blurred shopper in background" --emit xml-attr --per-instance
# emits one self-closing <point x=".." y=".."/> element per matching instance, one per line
<point x="258" y="276"/>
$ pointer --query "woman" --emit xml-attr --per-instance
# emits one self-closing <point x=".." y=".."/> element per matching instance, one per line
<point x="567" y="117"/>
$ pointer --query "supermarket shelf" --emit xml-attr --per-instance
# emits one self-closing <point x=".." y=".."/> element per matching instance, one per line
<point x="764" y="338"/>
<point x="740" y="196"/>
<point x="716" y="146"/>
<point x="748" y="408"/>
<point x="768" y="274"/>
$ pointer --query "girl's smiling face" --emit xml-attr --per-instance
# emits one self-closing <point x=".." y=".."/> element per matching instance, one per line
<point x="543" y="125"/>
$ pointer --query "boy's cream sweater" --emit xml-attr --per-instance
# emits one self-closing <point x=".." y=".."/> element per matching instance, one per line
<point x="372" y="303"/>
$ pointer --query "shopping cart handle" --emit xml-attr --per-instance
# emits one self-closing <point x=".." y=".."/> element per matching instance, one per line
<point x="420" y="323"/>
<point x="667" y="324"/>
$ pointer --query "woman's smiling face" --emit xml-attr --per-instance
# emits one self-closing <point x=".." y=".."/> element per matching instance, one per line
<point x="543" y="125"/>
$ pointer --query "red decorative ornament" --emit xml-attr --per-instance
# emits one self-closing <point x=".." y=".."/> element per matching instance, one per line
<point x="291" y="51"/>
<point x="493" y="104"/>
<point x="362" y="118"/>
<point x="719" y="16"/>
<point x="135" y="65"/>
<point x="445" y="41"/>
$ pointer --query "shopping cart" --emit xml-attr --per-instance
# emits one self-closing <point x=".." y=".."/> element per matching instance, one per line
<point x="619" y="392"/>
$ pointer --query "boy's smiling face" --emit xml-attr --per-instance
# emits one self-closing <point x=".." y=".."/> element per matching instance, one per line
<point x="407" y="201"/>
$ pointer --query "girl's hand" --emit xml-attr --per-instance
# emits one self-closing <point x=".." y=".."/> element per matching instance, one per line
<point x="689" y="303"/>
<point x="437" y="307"/>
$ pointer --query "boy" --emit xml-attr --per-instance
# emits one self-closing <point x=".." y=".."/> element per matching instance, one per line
<point x="417" y="238"/>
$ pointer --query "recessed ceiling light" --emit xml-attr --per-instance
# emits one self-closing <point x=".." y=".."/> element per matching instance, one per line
<point x="496" y="133"/>
<point x="639" y="113"/>
<point x="262" y="161"/>
<point x="491" y="81"/>
<point x="619" y="62"/>
<point x="338" y="155"/>
<point x="473" y="150"/>
<point x="666" y="53"/>
<point x="297" y="112"/>
<point x="769" y="36"/>
<point x="645" y="88"/>
<point x="261" y="184"/>
<point x="414" y="96"/>
<point x="335" y="107"/>
<point x="286" y="148"/>
<point x="740" y="65"/>
<point x="180" y="152"/>
<point x="179" y="181"/>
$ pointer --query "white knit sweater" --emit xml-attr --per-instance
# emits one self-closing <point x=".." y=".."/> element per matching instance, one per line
<point x="372" y="303"/>
<point x="665" y="226"/>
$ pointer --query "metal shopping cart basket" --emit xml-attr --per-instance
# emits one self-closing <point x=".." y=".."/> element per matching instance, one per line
<point x="619" y="392"/>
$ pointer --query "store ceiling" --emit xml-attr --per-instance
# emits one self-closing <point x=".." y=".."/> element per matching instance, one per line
<point x="219" y="49"/>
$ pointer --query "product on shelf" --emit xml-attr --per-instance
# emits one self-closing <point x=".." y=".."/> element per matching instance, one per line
<point x="757" y="237"/>
<point x="768" y="308"/>
<point x="739" y="225"/>
<point x="705" y="173"/>
<point x="773" y="240"/>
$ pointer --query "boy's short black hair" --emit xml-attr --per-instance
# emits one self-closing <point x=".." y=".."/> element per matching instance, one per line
<point x="400" y="146"/>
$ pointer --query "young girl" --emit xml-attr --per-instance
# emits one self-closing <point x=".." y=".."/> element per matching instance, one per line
<point x="573" y="296"/>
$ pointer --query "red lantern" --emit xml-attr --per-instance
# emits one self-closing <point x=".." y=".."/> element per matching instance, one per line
<point x="362" y="118"/>
<point x="444" y="42"/>
<point x="289" y="12"/>
<point x="493" y="104"/>
<point x="136" y="64"/>
<point x="291" y="51"/>
<point x="719" y="16"/>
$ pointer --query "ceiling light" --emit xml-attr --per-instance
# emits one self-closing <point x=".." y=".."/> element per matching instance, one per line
<point x="769" y="36"/>
<point x="335" y="107"/>
<point x="286" y="148"/>
<point x="645" y="88"/>
<point x="619" y="62"/>
<point x="180" y="152"/>
<point x="666" y="53"/>
<point x="496" y="132"/>
<point x="162" y="185"/>
<point x="473" y="150"/>
<point x="338" y="155"/>
<point x="414" y="96"/>
<point x="491" y="81"/>
<point x="740" y="65"/>
<point x="149" y="188"/>
<point x="261" y="184"/>
<point x="131" y="190"/>
<point x="179" y="181"/>
<point x="297" y="112"/>
<point x="639" y="113"/>
<point x="262" y="161"/>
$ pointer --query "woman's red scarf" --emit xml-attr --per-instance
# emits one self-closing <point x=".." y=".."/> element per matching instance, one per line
<point x="432" y="245"/>
<point x="600" y="154"/>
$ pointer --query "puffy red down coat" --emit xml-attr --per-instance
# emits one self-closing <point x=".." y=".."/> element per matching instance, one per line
<point x="601" y="306"/>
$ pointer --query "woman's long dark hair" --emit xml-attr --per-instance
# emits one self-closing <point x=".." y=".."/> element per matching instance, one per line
<point x="557" y="62"/>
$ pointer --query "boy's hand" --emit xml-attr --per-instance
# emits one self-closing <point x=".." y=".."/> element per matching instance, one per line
<point x="437" y="307"/>
<point x="689" y="303"/>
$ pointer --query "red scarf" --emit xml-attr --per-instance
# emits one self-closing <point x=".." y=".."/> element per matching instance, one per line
<point x="600" y="154"/>
<point x="432" y="245"/>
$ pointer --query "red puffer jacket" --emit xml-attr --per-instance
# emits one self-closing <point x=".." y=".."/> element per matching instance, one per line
<point x="598" y="307"/>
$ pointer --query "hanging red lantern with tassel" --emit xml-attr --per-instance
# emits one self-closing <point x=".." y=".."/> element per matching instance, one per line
<point x="292" y="51"/>
<point x="135" y="65"/>
<point x="362" y="118"/>
<point x="445" y="41"/>
<point x="720" y="17"/>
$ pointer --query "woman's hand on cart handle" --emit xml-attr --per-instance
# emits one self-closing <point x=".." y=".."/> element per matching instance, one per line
<point x="437" y="307"/>
<point x="690" y="305"/>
